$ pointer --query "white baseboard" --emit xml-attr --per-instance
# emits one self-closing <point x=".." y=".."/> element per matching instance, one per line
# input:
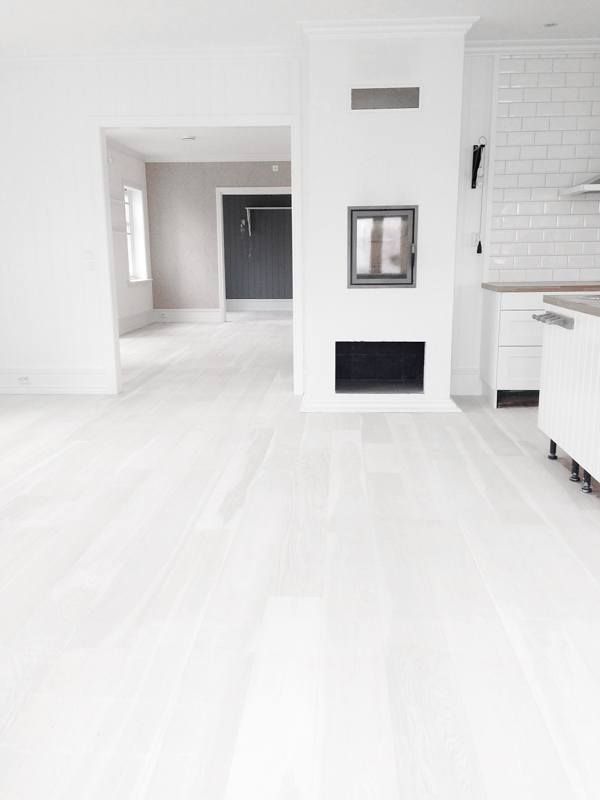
<point x="41" y="381"/>
<point x="268" y="304"/>
<point x="466" y="381"/>
<point x="187" y="315"/>
<point x="383" y="403"/>
<point x="135" y="321"/>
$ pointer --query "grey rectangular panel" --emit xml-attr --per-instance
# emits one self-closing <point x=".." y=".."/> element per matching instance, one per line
<point x="257" y="266"/>
<point x="399" y="97"/>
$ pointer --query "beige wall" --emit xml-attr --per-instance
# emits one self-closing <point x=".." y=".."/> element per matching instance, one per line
<point x="183" y="225"/>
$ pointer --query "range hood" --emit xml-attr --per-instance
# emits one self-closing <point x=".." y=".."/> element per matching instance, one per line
<point x="593" y="185"/>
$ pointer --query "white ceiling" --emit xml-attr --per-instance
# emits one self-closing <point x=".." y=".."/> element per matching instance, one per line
<point x="210" y="144"/>
<point x="92" y="26"/>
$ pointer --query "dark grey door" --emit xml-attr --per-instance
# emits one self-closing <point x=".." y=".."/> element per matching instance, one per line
<point x="257" y="246"/>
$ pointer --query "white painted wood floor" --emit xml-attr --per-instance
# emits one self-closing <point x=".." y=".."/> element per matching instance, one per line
<point x="207" y="594"/>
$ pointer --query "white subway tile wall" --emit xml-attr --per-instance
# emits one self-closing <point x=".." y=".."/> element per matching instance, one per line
<point x="547" y="138"/>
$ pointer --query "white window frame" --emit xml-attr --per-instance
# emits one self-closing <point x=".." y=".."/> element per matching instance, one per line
<point x="136" y="231"/>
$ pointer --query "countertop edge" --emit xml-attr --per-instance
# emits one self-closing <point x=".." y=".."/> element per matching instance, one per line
<point x="572" y="304"/>
<point x="574" y="286"/>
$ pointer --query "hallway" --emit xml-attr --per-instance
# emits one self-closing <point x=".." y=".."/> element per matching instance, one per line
<point x="208" y="594"/>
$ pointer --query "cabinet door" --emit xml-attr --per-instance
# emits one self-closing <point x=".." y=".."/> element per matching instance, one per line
<point x="519" y="368"/>
<point x="518" y="328"/>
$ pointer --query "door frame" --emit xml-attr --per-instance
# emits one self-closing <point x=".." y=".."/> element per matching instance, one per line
<point x="221" y="191"/>
<point x="98" y="126"/>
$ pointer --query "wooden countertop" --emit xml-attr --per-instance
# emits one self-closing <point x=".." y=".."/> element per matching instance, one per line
<point x="583" y="303"/>
<point x="542" y="286"/>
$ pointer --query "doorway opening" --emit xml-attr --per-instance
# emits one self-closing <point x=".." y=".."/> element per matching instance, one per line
<point x="178" y="257"/>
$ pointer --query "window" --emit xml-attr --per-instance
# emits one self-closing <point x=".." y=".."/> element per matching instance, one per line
<point x="135" y="227"/>
<point x="382" y="246"/>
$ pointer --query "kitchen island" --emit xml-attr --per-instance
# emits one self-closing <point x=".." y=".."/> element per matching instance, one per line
<point x="569" y="405"/>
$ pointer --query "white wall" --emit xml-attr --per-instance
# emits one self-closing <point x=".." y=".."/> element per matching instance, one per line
<point x="547" y="136"/>
<point x="478" y="98"/>
<point x="57" y="330"/>
<point x="355" y="158"/>
<point x="134" y="298"/>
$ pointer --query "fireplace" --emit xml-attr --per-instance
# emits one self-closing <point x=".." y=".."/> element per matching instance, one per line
<point x="379" y="367"/>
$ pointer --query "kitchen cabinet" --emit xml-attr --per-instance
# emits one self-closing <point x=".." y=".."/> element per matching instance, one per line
<point x="570" y="379"/>
<point x="511" y="351"/>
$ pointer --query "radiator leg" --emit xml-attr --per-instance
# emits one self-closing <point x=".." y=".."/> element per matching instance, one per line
<point x="586" y="486"/>
<point x="552" y="454"/>
<point x="574" y="472"/>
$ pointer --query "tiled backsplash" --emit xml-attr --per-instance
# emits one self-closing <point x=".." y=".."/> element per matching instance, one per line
<point x="547" y="138"/>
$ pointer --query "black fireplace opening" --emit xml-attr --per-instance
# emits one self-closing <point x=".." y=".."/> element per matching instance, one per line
<point x="379" y="367"/>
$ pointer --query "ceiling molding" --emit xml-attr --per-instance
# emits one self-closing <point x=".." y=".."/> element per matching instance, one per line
<point x="532" y="46"/>
<point x="387" y="28"/>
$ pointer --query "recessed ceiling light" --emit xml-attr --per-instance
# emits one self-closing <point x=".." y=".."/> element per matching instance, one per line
<point x="550" y="24"/>
<point x="188" y="138"/>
